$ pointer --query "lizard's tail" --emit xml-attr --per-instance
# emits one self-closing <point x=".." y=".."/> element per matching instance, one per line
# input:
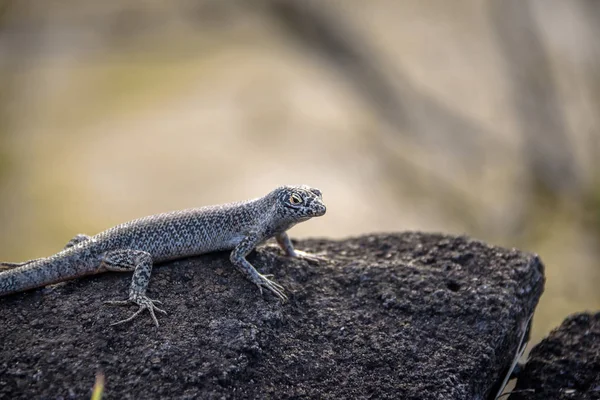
<point x="68" y="264"/>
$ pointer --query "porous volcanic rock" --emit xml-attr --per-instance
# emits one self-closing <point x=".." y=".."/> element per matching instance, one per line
<point x="394" y="316"/>
<point x="566" y="364"/>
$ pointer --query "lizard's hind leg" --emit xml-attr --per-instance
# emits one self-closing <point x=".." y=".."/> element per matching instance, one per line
<point x="140" y="262"/>
<point x="79" y="238"/>
<point x="5" y="266"/>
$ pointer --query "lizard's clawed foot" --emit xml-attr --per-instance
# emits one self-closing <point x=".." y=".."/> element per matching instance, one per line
<point x="144" y="303"/>
<point x="309" y="257"/>
<point x="274" y="287"/>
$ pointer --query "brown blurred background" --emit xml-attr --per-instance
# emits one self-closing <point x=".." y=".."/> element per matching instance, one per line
<point x="471" y="116"/>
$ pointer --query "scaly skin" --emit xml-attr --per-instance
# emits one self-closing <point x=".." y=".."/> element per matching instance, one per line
<point x="138" y="244"/>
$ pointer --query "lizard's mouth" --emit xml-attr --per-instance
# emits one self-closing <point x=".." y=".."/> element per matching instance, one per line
<point x="320" y="210"/>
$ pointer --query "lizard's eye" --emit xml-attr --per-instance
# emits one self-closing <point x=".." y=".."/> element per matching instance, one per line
<point x="295" y="199"/>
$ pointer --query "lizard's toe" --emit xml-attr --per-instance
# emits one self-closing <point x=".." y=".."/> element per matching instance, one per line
<point x="117" y="302"/>
<point x="310" y="257"/>
<point x="274" y="287"/>
<point x="144" y="303"/>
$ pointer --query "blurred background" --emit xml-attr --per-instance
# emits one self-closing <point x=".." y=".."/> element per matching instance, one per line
<point x="471" y="116"/>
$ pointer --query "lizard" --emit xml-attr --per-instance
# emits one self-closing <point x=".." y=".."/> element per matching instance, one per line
<point x="138" y="244"/>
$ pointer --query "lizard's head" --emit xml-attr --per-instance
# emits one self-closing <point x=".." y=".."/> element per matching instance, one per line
<point x="299" y="203"/>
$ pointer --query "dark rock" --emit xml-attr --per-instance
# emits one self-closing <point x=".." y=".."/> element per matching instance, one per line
<point x="404" y="316"/>
<point x="565" y="365"/>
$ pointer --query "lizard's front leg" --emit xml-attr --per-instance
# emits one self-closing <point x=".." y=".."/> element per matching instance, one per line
<point x="288" y="248"/>
<point x="238" y="258"/>
<point x="140" y="262"/>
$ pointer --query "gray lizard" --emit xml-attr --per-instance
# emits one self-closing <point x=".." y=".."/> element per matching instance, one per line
<point x="138" y="244"/>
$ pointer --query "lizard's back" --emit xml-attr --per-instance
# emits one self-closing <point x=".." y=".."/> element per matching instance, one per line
<point x="184" y="233"/>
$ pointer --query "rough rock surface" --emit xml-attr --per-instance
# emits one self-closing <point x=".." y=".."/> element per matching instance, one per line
<point x="565" y="365"/>
<point x="401" y="316"/>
